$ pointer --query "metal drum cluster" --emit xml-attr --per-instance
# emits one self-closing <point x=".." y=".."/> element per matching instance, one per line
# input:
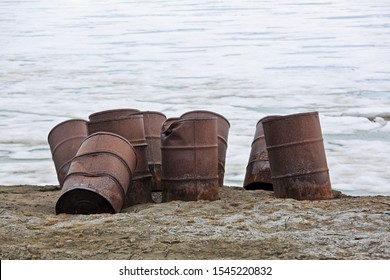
<point x="118" y="158"/>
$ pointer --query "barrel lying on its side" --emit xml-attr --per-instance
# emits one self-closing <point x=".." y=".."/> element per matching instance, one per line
<point x="99" y="176"/>
<point x="132" y="129"/>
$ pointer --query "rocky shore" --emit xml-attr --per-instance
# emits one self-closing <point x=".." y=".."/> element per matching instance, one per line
<point x="241" y="225"/>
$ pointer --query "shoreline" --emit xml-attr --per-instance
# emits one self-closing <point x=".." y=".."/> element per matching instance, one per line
<point x="241" y="225"/>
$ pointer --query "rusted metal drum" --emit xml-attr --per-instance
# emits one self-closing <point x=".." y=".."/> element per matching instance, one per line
<point x="189" y="153"/>
<point x="223" y="127"/>
<point x="167" y="123"/>
<point x="64" y="141"/>
<point x="99" y="176"/>
<point x="258" y="171"/>
<point x="112" y="114"/>
<point x="131" y="128"/>
<point x="152" y="124"/>
<point x="297" y="157"/>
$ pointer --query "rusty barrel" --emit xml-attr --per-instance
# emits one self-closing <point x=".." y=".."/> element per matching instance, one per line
<point x="297" y="157"/>
<point x="99" y="176"/>
<point x="132" y="129"/>
<point x="64" y="141"/>
<point x="112" y="114"/>
<point x="189" y="154"/>
<point x="152" y="124"/>
<point x="258" y="171"/>
<point x="223" y="127"/>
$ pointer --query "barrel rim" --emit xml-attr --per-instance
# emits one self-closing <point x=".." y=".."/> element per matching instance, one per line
<point x="182" y="120"/>
<point x="62" y="123"/>
<point x="195" y="119"/>
<point x="120" y="157"/>
<point x="74" y="137"/>
<point x="314" y="113"/>
<point x="172" y="119"/>
<point x="110" y="111"/>
<point x="111" y="134"/>
<point x="107" y="133"/>
<point x="84" y="189"/>
<point x="263" y="119"/>
<point x="115" y="135"/>
<point x="150" y="112"/>
<point x="131" y="116"/>
<point x="206" y="111"/>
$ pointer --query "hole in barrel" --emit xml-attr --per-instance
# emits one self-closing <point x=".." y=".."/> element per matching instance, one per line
<point x="259" y="186"/>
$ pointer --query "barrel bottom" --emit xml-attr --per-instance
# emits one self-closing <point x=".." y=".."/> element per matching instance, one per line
<point x="90" y="195"/>
<point x="258" y="176"/>
<point x="190" y="190"/>
<point x="304" y="187"/>
<point x="82" y="201"/>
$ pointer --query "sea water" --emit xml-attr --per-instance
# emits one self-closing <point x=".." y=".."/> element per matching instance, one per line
<point x="244" y="59"/>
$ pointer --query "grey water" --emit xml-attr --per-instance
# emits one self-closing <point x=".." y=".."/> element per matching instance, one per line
<point x="244" y="59"/>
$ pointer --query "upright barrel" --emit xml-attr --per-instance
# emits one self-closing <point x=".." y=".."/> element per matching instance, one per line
<point x="132" y="129"/>
<point x="99" y="176"/>
<point x="297" y="157"/>
<point x="64" y="141"/>
<point x="223" y="127"/>
<point x="153" y="122"/>
<point x="189" y="153"/>
<point x="258" y="171"/>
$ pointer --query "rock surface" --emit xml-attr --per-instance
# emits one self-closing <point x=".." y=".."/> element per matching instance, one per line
<point x="241" y="225"/>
